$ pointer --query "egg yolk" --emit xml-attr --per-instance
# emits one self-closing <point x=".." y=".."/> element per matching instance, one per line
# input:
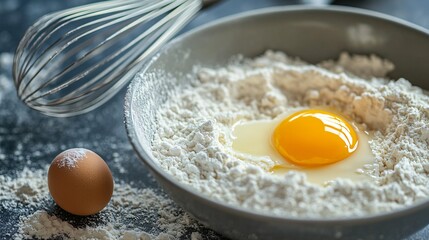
<point x="314" y="138"/>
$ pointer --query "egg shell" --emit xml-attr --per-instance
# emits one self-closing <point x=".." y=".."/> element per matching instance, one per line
<point x="80" y="182"/>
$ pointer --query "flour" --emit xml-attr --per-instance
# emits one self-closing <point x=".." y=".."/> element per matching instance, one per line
<point x="128" y="211"/>
<point x="70" y="157"/>
<point x="193" y="141"/>
<point x="27" y="188"/>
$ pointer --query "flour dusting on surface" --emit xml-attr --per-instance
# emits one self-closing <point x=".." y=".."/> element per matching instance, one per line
<point x="129" y="210"/>
<point x="193" y="141"/>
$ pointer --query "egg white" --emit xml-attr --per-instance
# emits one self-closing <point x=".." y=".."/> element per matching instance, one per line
<point x="251" y="141"/>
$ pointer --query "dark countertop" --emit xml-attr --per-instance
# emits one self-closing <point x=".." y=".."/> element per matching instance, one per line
<point x="28" y="138"/>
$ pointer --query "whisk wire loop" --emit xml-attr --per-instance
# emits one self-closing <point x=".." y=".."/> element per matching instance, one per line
<point x="82" y="45"/>
<point x="72" y="61"/>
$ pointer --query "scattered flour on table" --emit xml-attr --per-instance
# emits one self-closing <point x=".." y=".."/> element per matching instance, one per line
<point x="193" y="141"/>
<point x="129" y="209"/>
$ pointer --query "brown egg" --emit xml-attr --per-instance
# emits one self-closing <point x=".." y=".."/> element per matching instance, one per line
<point x="80" y="182"/>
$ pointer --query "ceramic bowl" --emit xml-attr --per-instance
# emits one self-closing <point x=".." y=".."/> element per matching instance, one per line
<point x="313" y="34"/>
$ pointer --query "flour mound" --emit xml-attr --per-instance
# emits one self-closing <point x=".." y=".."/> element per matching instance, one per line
<point x="193" y="141"/>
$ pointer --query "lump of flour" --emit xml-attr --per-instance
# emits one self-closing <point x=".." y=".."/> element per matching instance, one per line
<point x="193" y="140"/>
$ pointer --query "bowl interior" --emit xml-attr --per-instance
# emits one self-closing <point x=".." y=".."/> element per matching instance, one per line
<point x="312" y="34"/>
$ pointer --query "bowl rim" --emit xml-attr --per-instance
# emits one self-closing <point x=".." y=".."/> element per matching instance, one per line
<point x="239" y="210"/>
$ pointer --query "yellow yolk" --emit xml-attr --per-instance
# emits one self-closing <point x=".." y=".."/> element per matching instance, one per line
<point x="314" y="138"/>
<point x="253" y="142"/>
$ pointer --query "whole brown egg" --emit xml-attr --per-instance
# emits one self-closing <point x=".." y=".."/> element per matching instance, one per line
<point x="80" y="182"/>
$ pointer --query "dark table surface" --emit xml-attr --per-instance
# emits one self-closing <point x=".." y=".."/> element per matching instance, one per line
<point x="28" y="138"/>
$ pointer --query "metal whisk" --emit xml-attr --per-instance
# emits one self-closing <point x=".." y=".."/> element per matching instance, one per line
<point x="72" y="61"/>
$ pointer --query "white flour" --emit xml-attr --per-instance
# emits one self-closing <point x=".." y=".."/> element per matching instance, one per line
<point x="129" y="209"/>
<point x="193" y="141"/>
<point x="70" y="157"/>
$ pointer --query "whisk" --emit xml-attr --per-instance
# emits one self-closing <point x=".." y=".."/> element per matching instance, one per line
<point x="72" y="61"/>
